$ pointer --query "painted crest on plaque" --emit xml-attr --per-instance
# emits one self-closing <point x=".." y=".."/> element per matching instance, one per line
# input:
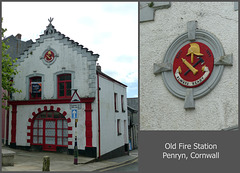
<point x="193" y="64"/>
<point x="49" y="56"/>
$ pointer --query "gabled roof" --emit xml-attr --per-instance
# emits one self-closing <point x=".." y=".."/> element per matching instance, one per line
<point x="51" y="32"/>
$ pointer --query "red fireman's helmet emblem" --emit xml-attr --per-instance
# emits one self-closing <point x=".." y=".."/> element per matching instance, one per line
<point x="193" y="64"/>
<point x="49" y="56"/>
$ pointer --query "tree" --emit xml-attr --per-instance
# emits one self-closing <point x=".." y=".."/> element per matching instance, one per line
<point x="8" y="70"/>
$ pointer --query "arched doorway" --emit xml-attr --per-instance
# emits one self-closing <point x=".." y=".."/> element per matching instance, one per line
<point x="50" y="130"/>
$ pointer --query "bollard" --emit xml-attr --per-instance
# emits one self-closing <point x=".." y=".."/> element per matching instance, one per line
<point x="46" y="163"/>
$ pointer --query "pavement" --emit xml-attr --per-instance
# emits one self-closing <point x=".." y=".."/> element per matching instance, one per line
<point x="33" y="161"/>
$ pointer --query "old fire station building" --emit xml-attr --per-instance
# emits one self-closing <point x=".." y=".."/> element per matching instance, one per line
<point x="40" y="116"/>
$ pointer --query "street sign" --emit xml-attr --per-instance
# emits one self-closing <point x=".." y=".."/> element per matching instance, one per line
<point x="75" y="102"/>
<point x="75" y="105"/>
<point x="74" y="114"/>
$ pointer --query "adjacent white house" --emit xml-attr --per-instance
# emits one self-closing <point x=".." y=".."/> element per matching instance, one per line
<point x="40" y="116"/>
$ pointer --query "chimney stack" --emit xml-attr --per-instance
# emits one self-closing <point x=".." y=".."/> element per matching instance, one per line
<point x="99" y="67"/>
<point x="18" y="36"/>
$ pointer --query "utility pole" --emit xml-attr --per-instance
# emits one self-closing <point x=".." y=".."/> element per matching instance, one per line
<point x="75" y="146"/>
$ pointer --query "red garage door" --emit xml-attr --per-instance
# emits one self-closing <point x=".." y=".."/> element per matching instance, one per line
<point x="50" y="130"/>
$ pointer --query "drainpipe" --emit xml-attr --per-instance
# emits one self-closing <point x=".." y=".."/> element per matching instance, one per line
<point x="99" y="144"/>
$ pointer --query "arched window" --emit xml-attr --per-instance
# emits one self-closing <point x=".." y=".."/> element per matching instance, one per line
<point x="64" y="85"/>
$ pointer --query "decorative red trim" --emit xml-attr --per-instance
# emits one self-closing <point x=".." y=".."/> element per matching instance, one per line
<point x="70" y="135"/>
<point x="68" y="120"/>
<point x="33" y="114"/>
<point x="51" y="108"/>
<point x="89" y="135"/>
<point x="87" y="100"/>
<point x="51" y="101"/>
<point x="64" y="113"/>
<point x="29" y="127"/>
<point x="39" y="110"/>
<point x="29" y="141"/>
<point x="88" y="123"/>
<point x="45" y="108"/>
<point x="69" y="128"/>
<point x="29" y="120"/>
<point x="69" y="142"/>
<point x="58" y="109"/>
<point x="14" y="120"/>
<point x="28" y="134"/>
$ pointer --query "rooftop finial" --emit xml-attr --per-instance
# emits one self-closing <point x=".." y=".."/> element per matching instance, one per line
<point x="50" y="20"/>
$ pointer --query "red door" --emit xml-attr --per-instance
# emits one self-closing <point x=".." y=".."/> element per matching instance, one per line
<point x="49" y="140"/>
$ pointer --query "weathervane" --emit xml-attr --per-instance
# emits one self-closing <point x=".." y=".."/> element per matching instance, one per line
<point x="50" y="20"/>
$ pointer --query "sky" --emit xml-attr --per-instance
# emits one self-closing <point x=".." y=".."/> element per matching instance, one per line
<point x="109" y="29"/>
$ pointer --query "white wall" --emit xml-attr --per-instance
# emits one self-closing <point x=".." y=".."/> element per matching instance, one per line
<point x="159" y="109"/>
<point x="109" y="137"/>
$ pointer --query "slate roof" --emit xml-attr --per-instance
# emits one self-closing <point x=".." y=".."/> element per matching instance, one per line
<point x="132" y="103"/>
<point x="17" y="46"/>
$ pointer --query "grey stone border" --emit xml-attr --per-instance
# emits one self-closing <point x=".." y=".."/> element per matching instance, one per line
<point x="147" y="9"/>
<point x="55" y="56"/>
<point x="168" y="77"/>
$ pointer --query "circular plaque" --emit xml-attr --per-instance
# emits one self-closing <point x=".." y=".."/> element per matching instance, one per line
<point x="183" y="55"/>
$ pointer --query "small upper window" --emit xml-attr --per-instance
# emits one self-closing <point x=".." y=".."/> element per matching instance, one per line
<point x="116" y="102"/>
<point x="35" y="87"/>
<point x="122" y="103"/>
<point x="118" y="127"/>
<point x="64" y="86"/>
